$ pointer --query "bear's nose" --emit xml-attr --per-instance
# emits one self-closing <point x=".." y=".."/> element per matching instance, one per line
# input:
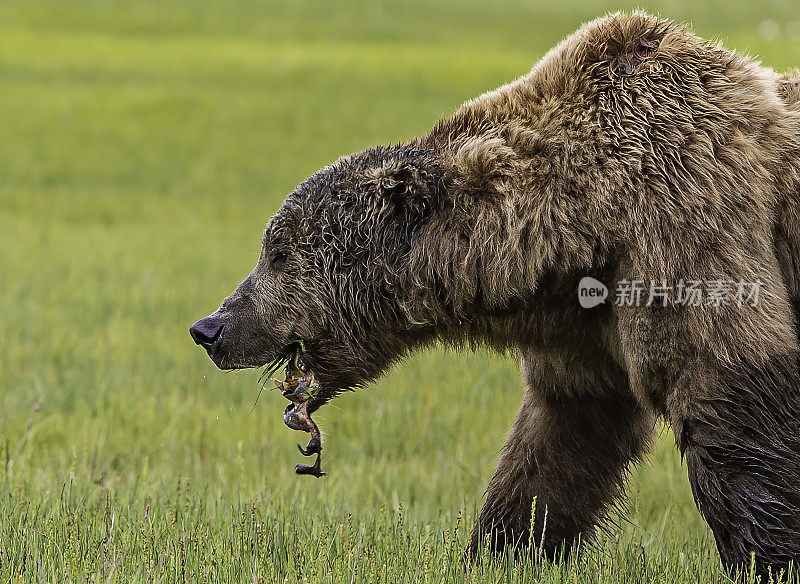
<point x="207" y="332"/>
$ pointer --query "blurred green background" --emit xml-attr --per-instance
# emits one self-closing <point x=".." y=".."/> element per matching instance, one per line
<point x="144" y="145"/>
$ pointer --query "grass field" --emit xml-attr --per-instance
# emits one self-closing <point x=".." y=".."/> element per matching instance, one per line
<point x="144" y="145"/>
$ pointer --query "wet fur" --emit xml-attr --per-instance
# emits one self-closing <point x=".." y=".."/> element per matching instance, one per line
<point x="632" y="150"/>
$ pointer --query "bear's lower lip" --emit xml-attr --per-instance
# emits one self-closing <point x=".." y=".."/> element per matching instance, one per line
<point x="272" y="360"/>
<point x="219" y="359"/>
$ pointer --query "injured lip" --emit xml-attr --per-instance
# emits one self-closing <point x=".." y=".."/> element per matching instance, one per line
<point x="299" y="388"/>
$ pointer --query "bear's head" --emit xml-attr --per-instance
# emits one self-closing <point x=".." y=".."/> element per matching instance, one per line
<point x="333" y="274"/>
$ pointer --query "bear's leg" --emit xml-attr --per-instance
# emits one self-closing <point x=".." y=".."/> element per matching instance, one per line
<point x="570" y="448"/>
<point x="739" y="431"/>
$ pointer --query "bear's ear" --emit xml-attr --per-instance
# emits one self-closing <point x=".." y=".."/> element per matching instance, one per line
<point x="405" y="187"/>
<point x="408" y="182"/>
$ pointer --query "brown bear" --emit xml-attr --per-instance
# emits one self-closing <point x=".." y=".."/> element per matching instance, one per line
<point x="634" y="153"/>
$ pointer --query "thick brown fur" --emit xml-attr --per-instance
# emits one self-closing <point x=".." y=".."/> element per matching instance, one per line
<point x="633" y="150"/>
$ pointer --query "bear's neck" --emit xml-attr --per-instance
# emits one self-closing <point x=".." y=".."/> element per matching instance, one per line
<point x="475" y="255"/>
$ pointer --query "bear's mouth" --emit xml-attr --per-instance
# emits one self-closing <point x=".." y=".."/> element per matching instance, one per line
<point x="280" y="359"/>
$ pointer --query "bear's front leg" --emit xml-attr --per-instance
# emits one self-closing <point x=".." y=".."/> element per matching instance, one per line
<point x="569" y="447"/>
<point x="738" y="428"/>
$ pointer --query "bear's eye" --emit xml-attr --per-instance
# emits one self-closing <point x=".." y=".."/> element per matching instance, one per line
<point x="278" y="259"/>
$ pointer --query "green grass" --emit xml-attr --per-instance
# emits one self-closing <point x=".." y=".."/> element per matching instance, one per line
<point x="144" y="145"/>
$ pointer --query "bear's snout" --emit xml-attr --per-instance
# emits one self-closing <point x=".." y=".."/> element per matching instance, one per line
<point x="207" y="332"/>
